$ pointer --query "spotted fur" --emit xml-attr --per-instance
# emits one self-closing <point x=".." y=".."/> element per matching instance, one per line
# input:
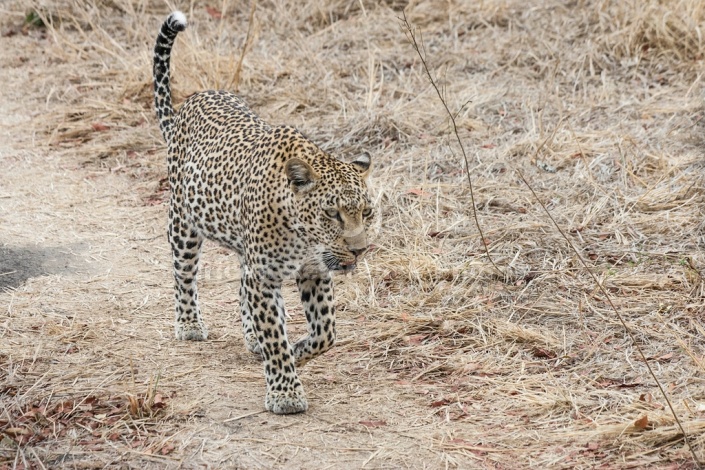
<point x="287" y="208"/>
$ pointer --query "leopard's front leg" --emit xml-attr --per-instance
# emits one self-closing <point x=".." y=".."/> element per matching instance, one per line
<point x="285" y="393"/>
<point x="316" y="292"/>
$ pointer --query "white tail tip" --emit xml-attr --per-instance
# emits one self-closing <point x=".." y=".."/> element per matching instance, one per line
<point x="179" y="18"/>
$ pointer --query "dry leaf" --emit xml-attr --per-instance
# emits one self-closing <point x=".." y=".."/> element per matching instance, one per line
<point x="214" y="13"/>
<point x="642" y="422"/>
<point x="64" y="407"/>
<point x="442" y="402"/>
<point x="167" y="449"/>
<point x="418" y="192"/>
<point x="415" y="339"/>
<point x="646" y="397"/>
<point x="159" y="402"/>
<point x="543" y="353"/>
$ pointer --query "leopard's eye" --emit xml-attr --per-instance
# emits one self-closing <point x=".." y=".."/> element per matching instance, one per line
<point x="333" y="214"/>
<point x="367" y="213"/>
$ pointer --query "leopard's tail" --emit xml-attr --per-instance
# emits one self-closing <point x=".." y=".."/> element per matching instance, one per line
<point x="175" y="23"/>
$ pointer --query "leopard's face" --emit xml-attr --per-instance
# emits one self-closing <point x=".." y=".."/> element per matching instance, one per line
<point x="345" y="217"/>
<point x="335" y="210"/>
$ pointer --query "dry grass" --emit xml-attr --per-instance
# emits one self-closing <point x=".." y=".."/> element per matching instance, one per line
<point x="441" y="362"/>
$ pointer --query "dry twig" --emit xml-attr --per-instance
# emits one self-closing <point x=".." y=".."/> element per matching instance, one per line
<point x="411" y="35"/>
<point x="246" y="45"/>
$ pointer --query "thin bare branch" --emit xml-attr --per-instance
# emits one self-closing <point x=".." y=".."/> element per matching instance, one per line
<point x="245" y="46"/>
<point x="420" y="50"/>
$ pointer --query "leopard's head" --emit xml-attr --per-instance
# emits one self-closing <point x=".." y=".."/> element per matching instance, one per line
<point x="334" y="206"/>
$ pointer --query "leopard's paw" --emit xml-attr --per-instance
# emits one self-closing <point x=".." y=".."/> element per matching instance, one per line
<point x="304" y="350"/>
<point x="302" y="353"/>
<point x="252" y="344"/>
<point x="191" y="331"/>
<point x="286" y="402"/>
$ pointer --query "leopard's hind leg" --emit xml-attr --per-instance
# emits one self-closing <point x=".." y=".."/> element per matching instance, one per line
<point x="186" y="244"/>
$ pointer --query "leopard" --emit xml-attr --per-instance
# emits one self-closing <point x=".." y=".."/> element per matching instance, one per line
<point x="287" y="208"/>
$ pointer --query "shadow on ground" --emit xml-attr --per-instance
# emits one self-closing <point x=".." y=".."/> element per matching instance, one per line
<point x="18" y="264"/>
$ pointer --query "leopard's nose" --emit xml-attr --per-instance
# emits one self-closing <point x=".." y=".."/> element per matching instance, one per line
<point x="358" y="251"/>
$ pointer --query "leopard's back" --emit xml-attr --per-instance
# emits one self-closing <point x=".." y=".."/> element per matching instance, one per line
<point x="219" y="148"/>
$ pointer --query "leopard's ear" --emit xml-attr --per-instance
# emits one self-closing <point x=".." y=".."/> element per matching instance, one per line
<point x="363" y="164"/>
<point x="302" y="178"/>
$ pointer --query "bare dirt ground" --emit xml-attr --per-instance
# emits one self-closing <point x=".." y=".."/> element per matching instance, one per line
<point x="441" y="361"/>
